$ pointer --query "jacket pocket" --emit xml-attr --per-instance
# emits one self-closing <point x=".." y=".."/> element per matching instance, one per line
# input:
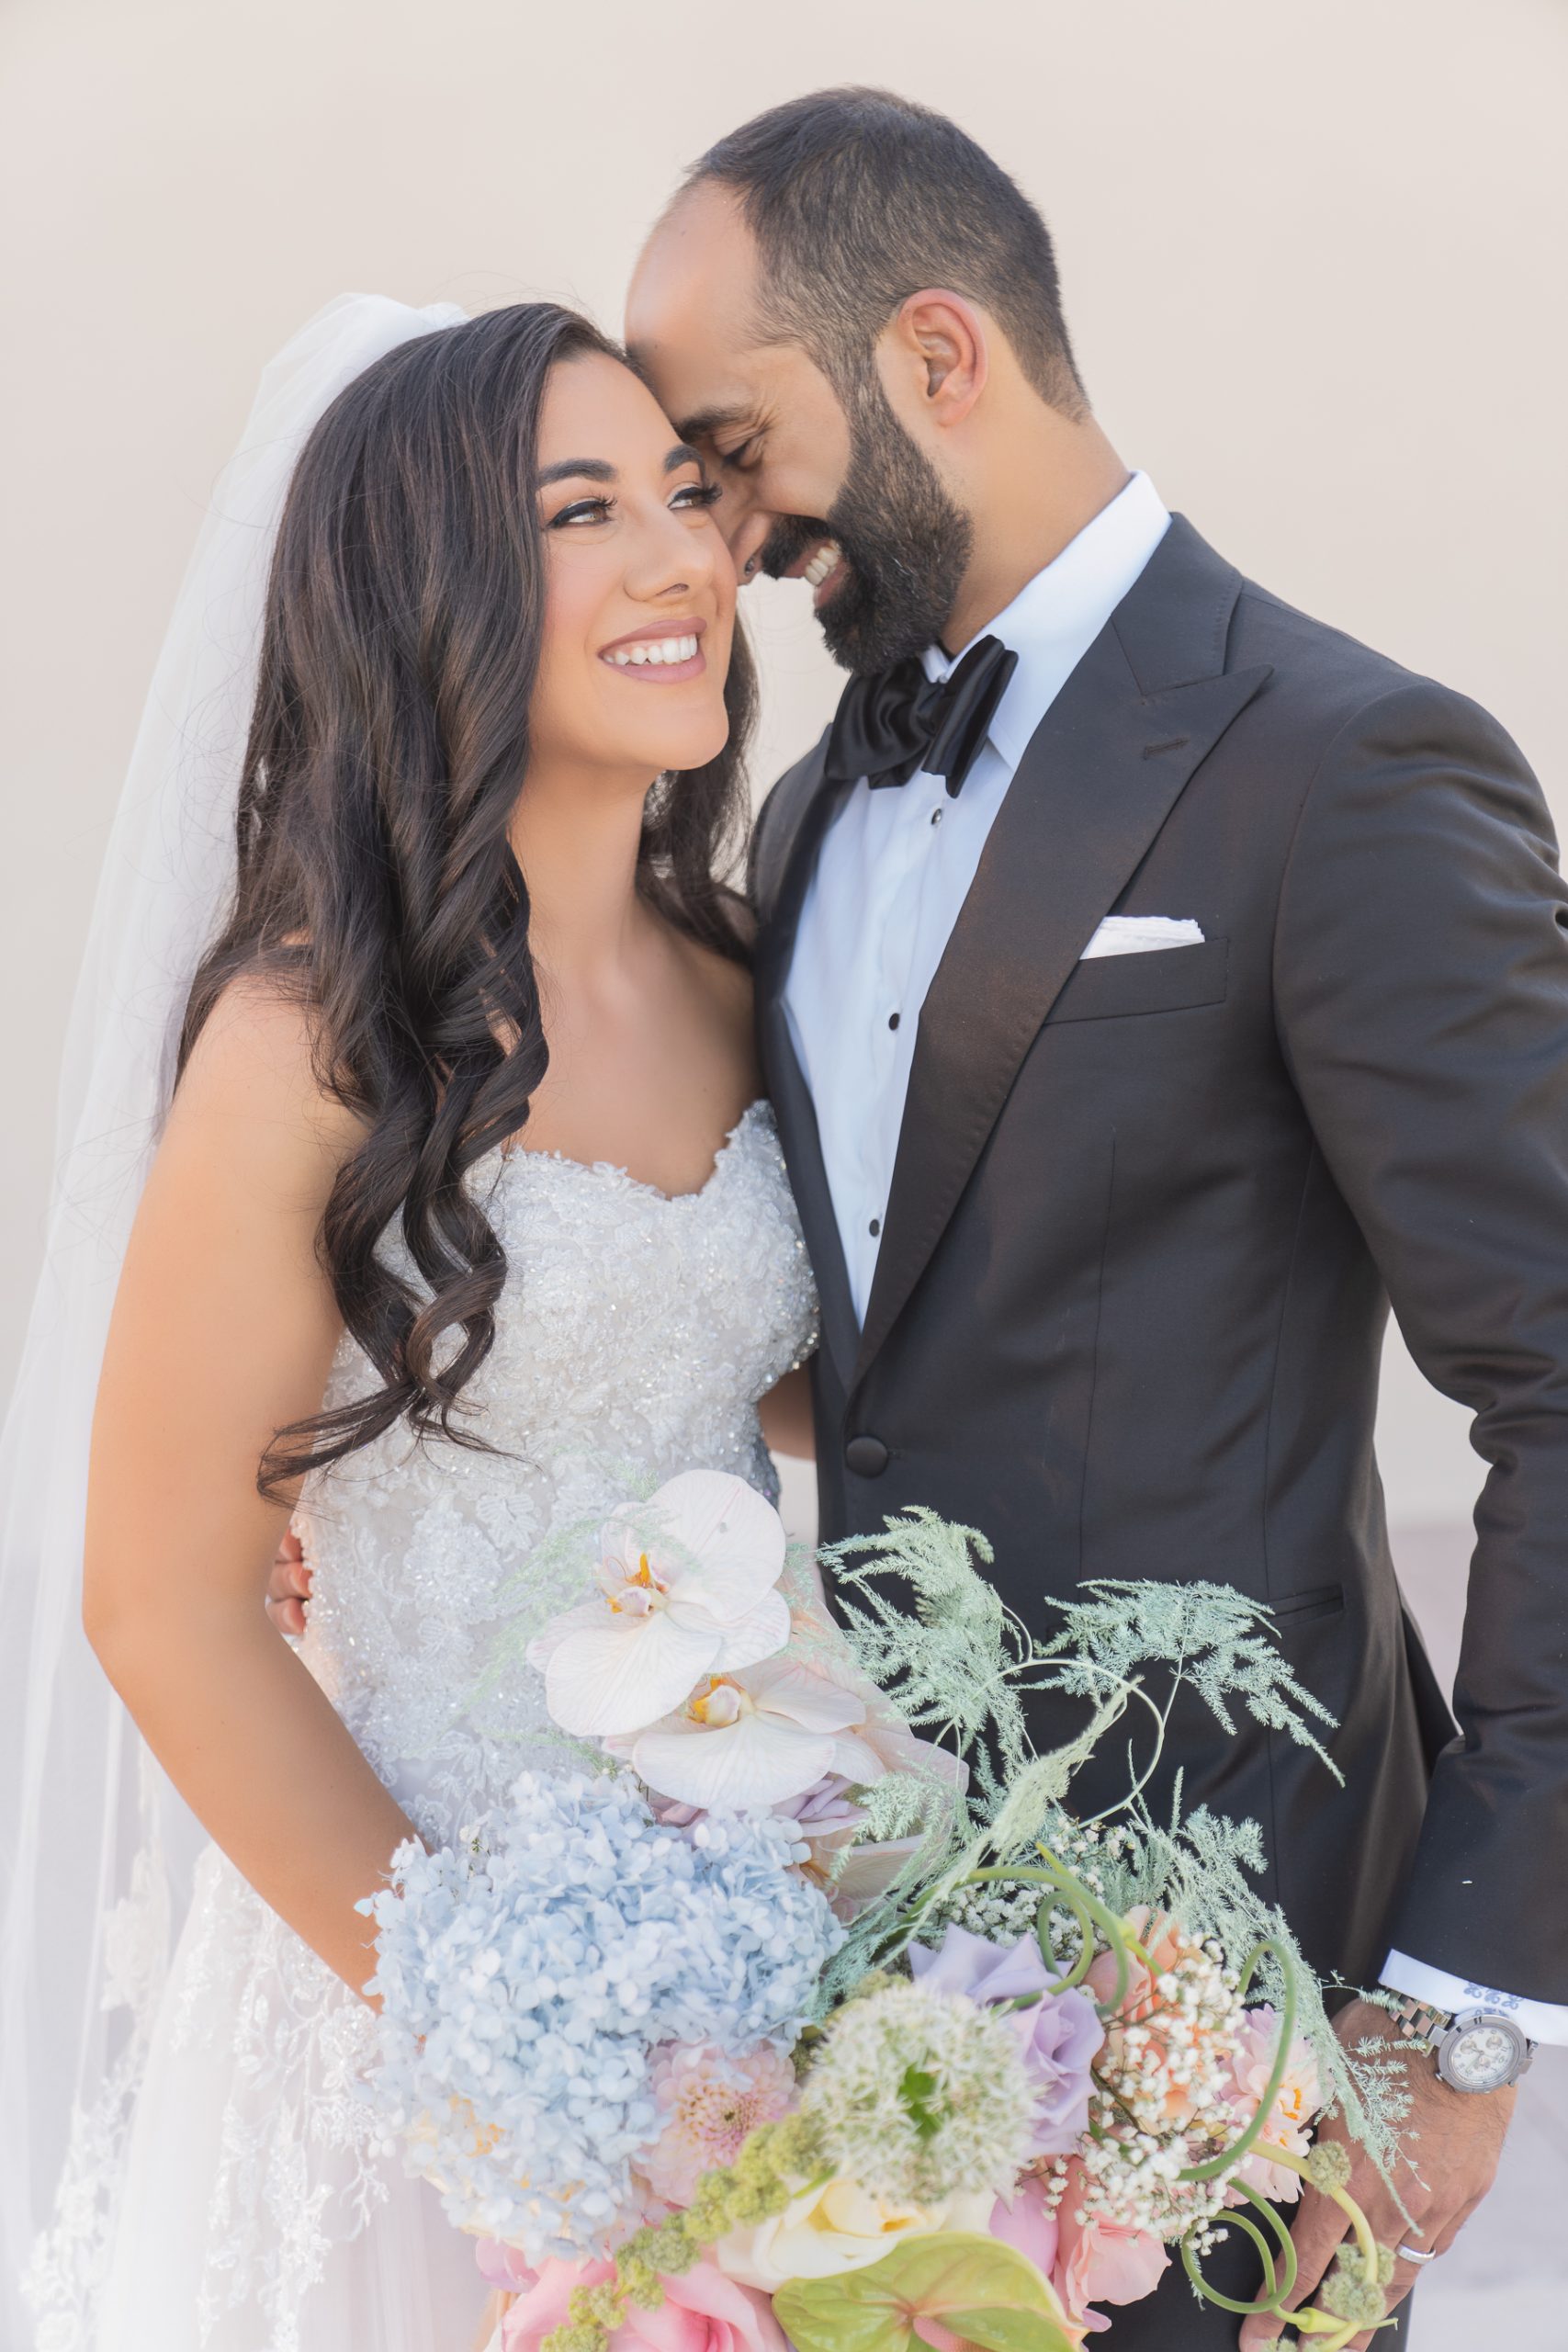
<point x="1300" y="1608"/>
<point x="1166" y="979"/>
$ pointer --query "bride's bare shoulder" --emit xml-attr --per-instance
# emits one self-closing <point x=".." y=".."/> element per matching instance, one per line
<point x="253" y="1080"/>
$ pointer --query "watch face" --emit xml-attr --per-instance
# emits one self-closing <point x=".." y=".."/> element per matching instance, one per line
<point x="1480" y="2054"/>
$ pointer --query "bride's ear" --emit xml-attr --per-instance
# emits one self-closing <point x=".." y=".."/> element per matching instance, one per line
<point x="934" y="355"/>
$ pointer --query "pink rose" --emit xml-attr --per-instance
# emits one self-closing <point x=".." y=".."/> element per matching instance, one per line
<point x="703" y="2312"/>
<point x="1099" y="2261"/>
<point x="1026" y="2223"/>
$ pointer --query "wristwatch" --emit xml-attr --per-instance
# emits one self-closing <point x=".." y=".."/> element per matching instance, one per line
<point x="1478" y="2050"/>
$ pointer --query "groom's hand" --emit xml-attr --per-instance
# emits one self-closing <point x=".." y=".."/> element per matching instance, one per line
<point x="1453" y="2141"/>
<point x="288" y="1586"/>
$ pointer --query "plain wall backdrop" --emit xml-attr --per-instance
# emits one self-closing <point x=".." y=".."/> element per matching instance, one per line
<point x="1312" y="253"/>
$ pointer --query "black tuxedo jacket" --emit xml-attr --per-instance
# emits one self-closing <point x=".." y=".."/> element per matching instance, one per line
<point x="1148" y="1212"/>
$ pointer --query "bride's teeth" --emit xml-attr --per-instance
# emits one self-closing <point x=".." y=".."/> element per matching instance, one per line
<point x="661" y="653"/>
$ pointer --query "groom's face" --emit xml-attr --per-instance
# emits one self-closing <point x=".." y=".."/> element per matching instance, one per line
<point x="842" y="498"/>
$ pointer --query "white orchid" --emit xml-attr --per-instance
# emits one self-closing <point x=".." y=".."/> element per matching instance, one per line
<point x="754" y="1738"/>
<point x="687" y="1590"/>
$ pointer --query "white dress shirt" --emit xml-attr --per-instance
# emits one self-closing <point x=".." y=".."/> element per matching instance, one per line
<point x="894" y="869"/>
<point x="896" y="863"/>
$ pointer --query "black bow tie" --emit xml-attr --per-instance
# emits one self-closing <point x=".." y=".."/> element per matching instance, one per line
<point x="889" y="727"/>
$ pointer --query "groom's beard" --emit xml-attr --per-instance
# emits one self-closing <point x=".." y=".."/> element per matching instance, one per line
<point x="905" y="545"/>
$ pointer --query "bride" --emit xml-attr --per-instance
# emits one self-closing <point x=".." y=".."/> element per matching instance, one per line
<point x="462" y="1218"/>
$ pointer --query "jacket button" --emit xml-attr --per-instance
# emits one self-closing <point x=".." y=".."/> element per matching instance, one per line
<point x="866" y="1456"/>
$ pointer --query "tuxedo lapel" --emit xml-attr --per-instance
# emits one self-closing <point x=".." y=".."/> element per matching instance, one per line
<point x="1098" y="780"/>
<point x="785" y="1080"/>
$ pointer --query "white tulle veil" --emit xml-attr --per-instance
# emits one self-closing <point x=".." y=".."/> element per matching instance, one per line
<point x="96" y="1857"/>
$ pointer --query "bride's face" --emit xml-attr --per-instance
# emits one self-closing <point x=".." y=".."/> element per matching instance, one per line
<point x="641" y="589"/>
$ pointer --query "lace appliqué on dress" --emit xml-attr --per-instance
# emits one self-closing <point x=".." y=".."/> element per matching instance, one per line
<point x="301" y="2158"/>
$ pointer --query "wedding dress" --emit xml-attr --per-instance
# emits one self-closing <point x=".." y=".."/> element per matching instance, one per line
<point x="253" y="2206"/>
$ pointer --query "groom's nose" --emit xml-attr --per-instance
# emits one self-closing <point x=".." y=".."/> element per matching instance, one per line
<point x="746" y="528"/>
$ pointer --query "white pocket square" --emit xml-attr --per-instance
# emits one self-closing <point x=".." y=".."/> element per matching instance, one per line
<point x="1141" y="934"/>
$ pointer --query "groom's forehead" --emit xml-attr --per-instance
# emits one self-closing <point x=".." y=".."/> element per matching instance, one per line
<point x="690" y="308"/>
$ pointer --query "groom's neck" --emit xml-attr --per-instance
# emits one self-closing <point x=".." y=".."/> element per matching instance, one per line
<point x="1035" y="478"/>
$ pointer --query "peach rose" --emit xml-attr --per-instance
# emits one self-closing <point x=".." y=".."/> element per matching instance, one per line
<point x="1297" y="2101"/>
<point x="1165" y="1943"/>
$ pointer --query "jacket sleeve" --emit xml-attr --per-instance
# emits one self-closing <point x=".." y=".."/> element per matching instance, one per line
<point x="1421" y="987"/>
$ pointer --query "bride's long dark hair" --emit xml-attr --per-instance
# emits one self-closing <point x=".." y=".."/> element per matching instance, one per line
<point x="377" y="881"/>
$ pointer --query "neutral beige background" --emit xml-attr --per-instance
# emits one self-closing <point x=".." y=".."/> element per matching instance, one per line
<point x="1312" y="252"/>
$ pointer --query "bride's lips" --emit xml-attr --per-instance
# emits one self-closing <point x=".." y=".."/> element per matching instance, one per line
<point x="659" y="657"/>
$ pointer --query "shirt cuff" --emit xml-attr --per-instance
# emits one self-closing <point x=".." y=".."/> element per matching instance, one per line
<point x="1539" y="2020"/>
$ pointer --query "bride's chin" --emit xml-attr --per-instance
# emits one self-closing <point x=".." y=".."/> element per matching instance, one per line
<point x="679" y="749"/>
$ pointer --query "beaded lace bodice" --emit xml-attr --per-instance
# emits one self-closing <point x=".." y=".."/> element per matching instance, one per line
<point x="634" y="1336"/>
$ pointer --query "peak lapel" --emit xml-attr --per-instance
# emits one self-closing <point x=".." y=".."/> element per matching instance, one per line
<point x="1099" y="778"/>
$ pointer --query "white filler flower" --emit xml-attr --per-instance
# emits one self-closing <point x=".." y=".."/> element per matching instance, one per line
<point x="922" y="2095"/>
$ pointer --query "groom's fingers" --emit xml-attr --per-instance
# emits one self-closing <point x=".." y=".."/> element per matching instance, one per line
<point x="288" y="1586"/>
<point x="1427" y="2227"/>
<point x="1408" y="2274"/>
<point x="1317" y="2232"/>
<point x="1405" y="2276"/>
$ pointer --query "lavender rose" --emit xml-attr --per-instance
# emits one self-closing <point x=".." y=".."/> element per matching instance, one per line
<point x="1059" y="2033"/>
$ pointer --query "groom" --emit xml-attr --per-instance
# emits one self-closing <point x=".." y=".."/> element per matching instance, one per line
<point x="1149" y="996"/>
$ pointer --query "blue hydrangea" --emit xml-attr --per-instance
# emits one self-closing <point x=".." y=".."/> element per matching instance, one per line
<point x="525" y="1978"/>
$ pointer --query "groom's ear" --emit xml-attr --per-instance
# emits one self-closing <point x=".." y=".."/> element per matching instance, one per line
<point x="934" y="357"/>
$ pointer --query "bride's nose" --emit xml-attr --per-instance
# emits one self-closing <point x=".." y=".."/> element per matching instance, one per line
<point x="675" y="560"/>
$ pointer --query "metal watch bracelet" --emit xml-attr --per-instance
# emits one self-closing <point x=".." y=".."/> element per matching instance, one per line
<point x="1476" y="2050"/>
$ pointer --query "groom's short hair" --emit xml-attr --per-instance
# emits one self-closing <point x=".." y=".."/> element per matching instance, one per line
<point x="857" y="199"/>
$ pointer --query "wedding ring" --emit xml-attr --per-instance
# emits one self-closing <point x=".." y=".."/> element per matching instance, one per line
<point x="1413" y="2254"/>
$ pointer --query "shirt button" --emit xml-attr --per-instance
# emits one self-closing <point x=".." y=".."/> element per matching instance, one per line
<point x="875" y="1227"/>
<point x="937" y="816"/>
<point x="893" y="1018"/>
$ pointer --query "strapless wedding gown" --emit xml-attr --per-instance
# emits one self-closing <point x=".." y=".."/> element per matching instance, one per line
<point x="254" y="2209"/>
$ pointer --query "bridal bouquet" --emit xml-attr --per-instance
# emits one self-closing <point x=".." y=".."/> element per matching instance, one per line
<point x="804" y="2011"/>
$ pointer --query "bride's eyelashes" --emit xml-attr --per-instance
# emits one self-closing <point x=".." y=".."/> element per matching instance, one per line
<point x="691" y="495"/>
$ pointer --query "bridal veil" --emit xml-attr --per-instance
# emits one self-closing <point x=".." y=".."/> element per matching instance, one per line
<point x="95" y="1865"/>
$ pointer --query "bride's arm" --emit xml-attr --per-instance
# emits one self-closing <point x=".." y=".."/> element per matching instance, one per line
<point x="223" y="1330"/>
<point x="785" y="1415"/>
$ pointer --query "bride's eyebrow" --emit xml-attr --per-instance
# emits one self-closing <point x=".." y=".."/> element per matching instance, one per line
<point x="589" y="468"/>
<point x="597" y="470"/>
